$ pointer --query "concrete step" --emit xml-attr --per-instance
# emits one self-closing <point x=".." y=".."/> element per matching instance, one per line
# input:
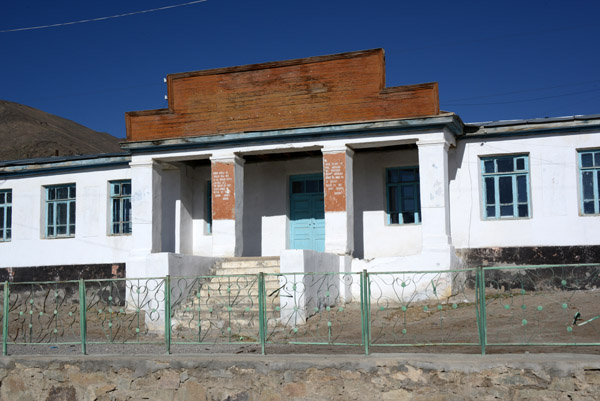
<point x="254" y="270"/>
<point x="249" y="262"/>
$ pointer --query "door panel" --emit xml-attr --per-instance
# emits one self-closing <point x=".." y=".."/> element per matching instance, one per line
<point x="307" y="213"/>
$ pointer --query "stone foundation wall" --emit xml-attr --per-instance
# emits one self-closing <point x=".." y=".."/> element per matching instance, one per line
<point x="300" y="377"/>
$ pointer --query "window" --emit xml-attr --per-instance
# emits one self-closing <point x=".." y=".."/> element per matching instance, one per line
<point x="403" y="195"/>
<point x="5" y="214"/>
<point x="60" y="211"/>
<point x="589" y="173"/>
<point x="505" y="187"/>
<point x="120" y="207"/>
<point x="209" y="207"/>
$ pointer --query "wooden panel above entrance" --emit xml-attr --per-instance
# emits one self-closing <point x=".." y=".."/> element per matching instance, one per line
<point x="326" y="90"/>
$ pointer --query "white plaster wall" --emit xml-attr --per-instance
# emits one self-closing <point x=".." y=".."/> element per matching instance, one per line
<point x="91" y="243"/>
<point x="373" y="236"/>
<point x="554" y="188"/>
<point x="266" y="203"/>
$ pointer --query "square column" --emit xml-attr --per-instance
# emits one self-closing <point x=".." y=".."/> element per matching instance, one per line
<point x="146" y="204"/>
<point x="435" y="200"/>
<point x="227" y="204"/>
<point x="338" y="185"/>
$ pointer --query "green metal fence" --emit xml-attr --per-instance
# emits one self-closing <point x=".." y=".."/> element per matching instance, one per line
<point x="482" y="308"/>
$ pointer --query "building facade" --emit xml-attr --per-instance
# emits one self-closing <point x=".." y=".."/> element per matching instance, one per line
<point x="314" y="156"/>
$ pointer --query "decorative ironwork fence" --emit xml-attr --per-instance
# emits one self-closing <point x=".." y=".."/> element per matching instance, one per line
<point x="549" y="305"/>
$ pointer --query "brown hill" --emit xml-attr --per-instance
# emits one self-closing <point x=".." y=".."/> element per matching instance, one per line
<point x="27" y="133"/>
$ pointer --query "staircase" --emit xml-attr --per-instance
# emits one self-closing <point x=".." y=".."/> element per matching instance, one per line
<point x="227" y="304"/>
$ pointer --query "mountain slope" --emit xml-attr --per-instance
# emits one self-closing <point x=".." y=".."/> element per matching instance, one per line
<point x="27" y="133"/>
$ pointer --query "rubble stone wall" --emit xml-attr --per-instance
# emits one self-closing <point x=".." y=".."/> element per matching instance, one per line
<point x="302" y="377"/>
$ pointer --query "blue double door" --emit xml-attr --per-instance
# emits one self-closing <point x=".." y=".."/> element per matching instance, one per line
<point x="307" y="212"/>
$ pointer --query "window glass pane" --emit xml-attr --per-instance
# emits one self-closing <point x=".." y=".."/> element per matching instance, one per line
<point x="587" y="160"/>
<point x="506" y="211"/>
<point x="523" y="211"/>
<point x="115" y="189"/>
<point x="408" y="218"/>
<point x="588" y="207"/>
<point x="61" y="230"/>
<point x="297" y="187"/>
<point x="320" y="185"/>
<point x="126" y="188"/>
<point x="9" y="197"/>
<point x="312" y="186"/>
<point x="115" y="228"/>
<point x="587" y="181"/>
<point x="505" y="191"/>
<point x="408" y="205"/>
<point x="51" y="193"/>
<point x="490" y="211"/>
<point x="71" y="212"/>
<point x="490" y="191"/>
<point x="505" y="165"/>
<point x="2" y="198"/>
<point x="521" y="189"/>
<point x="50" y="231"/>
<point x="407" y="176"/>
<point x="394" y="218"/>
<point x="50" y="214"/>
<point x="72" y="229"/>
<point x="2" y="217"/>
<point x="8" y="233"/>
<point x="8" y="217"/>
<point x="1" y="234"/>
<point x="116" y="210"/>
<point x="520" y="163"/>
<point x="62" y="193"/>
<point x="126" y="228"/>
<point x="597" y="159"/>
<point x="393" y="199"/>
<point x="393" y="176"/>
<point x="408" y="191"/>
<point x="72" y="192"/>
<point x="488" y="166"/>
<point x="126" y="209"/>
<point x="61" y="213"/>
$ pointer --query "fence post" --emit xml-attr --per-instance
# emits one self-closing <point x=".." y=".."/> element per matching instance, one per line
<point x="5" y="320"/>
<point x="82" y="317"/>
<point x="364" y="309"/>
<point x="262" y="320"/>
<point x="481" y="309"/>
<point x="168" y="313"/>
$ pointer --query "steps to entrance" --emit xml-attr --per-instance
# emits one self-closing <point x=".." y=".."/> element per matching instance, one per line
<point x="229" y="299"/>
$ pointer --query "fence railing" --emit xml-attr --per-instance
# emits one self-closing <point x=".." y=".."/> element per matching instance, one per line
<point x="549" y="305"/>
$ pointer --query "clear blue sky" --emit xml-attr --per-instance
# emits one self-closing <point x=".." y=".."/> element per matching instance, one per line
<point x="493" y="60"/>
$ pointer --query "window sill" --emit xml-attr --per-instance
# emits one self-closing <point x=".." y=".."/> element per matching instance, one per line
<point x="61" y="237"/>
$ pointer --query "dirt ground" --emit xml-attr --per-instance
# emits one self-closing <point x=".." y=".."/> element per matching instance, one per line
<point x="517" y="322"/>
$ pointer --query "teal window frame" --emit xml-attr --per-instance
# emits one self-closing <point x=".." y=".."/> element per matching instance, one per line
<point x="589" y="182"/>
<point x="505" y="184"/>
<point x="120" y="207"/>
<point x="403" y="190"/>
<point x="209" y="207"/>
<point x="60" y="211"/>
<point x="5" y="215"/>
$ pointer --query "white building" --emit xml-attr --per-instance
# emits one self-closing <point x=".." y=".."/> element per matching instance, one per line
<point x="314" y="154"/>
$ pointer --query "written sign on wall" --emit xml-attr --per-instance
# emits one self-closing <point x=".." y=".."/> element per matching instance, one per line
<point x="334" y="174"/>
<point x="223" y="191"/>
